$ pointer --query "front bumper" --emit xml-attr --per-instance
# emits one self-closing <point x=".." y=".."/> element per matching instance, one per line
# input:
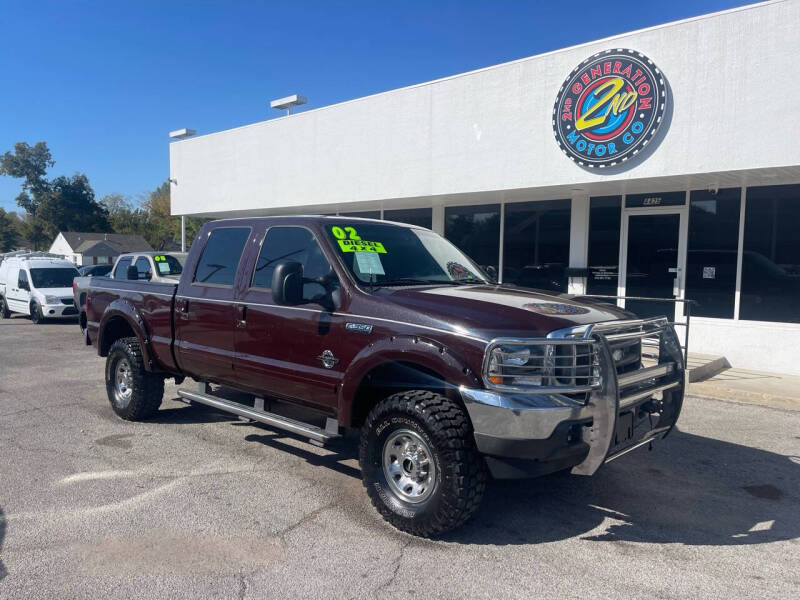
<point x="56" y="311"/>
<point x="528" y="434"/>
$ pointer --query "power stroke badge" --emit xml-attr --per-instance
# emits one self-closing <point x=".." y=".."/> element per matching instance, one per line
<point x="609" y="108"/>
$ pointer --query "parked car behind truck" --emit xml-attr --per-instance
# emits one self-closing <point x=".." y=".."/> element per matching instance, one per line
<point x="392" y="330"/>
<point x="36" y="284"/>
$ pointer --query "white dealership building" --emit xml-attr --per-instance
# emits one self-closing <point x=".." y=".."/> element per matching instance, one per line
<point x="662" y="163"/>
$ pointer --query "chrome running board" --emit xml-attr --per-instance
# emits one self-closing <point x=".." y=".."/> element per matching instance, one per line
<point x="315" y="434"/>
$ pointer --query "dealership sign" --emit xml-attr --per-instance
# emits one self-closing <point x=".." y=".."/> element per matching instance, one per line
<point x="609" y="108"/>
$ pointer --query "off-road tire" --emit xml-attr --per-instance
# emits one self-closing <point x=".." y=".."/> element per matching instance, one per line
<point x="147" y="389"/>
<point x="36" y="313"/>
<point x="4" y="312"/>
<point x="460" y="470"/>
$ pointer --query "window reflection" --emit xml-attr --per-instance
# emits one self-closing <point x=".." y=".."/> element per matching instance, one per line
<point x="604" y="224"/>
<point x="771" y="260"/>
<point x="364" y="214"/>
<point x="475" y="230"/>
<point x="423" y="217"/>
<point x="712" y="253"/>
<point x="536" y="244"/>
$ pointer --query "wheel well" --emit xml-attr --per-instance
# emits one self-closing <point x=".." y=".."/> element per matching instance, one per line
<point x="392" y="377"/>
<point x="116" y="328"/>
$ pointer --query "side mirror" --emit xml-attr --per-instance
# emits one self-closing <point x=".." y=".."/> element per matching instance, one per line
<point x="24" y="285"/>
<point x="132" y="273"/>
<point x="287" y="283"/>
<point x="491" y="271"/>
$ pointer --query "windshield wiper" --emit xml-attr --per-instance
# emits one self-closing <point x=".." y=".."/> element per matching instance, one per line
<point x="414" y="281"/>
<point x="406" y="281"/>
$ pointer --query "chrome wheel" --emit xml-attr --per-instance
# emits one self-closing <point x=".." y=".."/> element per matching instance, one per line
<point x="408" y="466"/>
<point x="123" y="383"/>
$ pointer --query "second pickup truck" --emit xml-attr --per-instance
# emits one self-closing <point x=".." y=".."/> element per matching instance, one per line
<point x="390" y="329"/>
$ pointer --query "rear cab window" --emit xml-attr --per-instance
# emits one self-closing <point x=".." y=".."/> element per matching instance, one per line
<point x="121" y="270"/>
<point x="220" y="258"/>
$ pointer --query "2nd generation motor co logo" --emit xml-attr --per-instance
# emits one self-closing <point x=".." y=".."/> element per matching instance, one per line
<point x="609" y="108"/>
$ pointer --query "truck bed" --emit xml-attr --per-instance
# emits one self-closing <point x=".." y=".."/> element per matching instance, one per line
<point x="153" y="302"/>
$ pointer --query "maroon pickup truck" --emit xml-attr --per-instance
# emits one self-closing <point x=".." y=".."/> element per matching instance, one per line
<point x="390" y="329"/>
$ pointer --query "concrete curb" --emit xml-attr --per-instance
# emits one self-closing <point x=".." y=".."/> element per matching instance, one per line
<point x="715" y="392"/>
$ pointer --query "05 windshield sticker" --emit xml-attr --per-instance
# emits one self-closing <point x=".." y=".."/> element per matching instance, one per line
<point x="350" y="241"/>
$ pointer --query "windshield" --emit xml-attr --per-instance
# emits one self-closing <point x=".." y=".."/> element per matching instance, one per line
<point x="393" y="255"/>
<point x="53" y="278"/>
<point x="168" y="264"/>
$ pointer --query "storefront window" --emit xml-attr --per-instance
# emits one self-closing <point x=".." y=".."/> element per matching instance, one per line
<point x="712" y="252"/>
<point x="604" y="223"/>
<point x="536" y="244"/>
<point x="771" y="260"/>
<point x="476" y="231"/>
<point x="422" y="217"/>
<point x="364" y="214"/>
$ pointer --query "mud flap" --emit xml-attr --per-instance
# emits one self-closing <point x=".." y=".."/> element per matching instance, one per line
<point x="605" y="404"/>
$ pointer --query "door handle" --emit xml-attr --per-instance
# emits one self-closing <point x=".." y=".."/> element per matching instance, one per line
<point x="183" y="308"/>
<point x="241" y="310"/>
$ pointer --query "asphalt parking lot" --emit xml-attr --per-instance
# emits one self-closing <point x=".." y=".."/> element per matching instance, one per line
<point x="194" y="504"/>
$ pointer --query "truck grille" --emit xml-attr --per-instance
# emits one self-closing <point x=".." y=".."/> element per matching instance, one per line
<point x="67" y="301"/>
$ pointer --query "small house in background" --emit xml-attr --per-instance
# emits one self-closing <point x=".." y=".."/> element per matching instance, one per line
<point x="96" y="248"/>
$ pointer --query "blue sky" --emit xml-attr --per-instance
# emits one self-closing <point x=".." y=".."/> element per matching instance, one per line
<point x="104" y="82"/>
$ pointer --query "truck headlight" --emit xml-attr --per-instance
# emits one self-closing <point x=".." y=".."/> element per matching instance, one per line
<point x="558" y="365"/>
<point x="52" y="299"/>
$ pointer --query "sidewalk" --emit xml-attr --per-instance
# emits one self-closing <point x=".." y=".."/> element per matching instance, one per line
<point x="750" y="387"/>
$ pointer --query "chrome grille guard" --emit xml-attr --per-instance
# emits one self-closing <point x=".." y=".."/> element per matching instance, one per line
<point x="621" y="391"/>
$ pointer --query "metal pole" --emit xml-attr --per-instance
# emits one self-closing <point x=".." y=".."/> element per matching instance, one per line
<point x="183" y="233"/>
<point x="686" y="339"/>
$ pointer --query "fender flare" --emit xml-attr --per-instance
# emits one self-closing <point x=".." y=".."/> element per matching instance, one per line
<point x="424" y="352"/>
<point x="122" y="308"/>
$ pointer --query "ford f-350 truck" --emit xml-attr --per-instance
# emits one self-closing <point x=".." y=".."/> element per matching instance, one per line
<point x="390" y="329"/>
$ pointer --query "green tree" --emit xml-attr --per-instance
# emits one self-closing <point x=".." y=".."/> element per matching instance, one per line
<point x="124" y="216"/>
<point x="29" y="163"/>
<point x="9" y="234"/>
<point x="163" y="228"/>
<point x="61" y="204"/>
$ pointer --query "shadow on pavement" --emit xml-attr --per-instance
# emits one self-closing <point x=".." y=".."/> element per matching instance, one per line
<point x="689" y="490"/>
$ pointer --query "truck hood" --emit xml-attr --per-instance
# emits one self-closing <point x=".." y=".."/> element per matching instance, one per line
<point x="500" y="311"/>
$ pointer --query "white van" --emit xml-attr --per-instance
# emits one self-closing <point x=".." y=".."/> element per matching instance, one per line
<point x="37" y="285"/>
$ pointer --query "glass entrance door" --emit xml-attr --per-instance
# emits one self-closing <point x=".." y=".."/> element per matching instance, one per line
<point x="653" y="253"/>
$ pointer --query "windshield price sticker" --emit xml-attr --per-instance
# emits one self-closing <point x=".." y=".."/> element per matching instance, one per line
<point x="361" y="246"/>
<point x="369" y="263"/>
<point x="159" y="258"/>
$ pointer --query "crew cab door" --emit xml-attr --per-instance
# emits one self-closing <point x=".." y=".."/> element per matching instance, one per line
<point x="279" y="349"/>
<point x="204" y="311"/>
